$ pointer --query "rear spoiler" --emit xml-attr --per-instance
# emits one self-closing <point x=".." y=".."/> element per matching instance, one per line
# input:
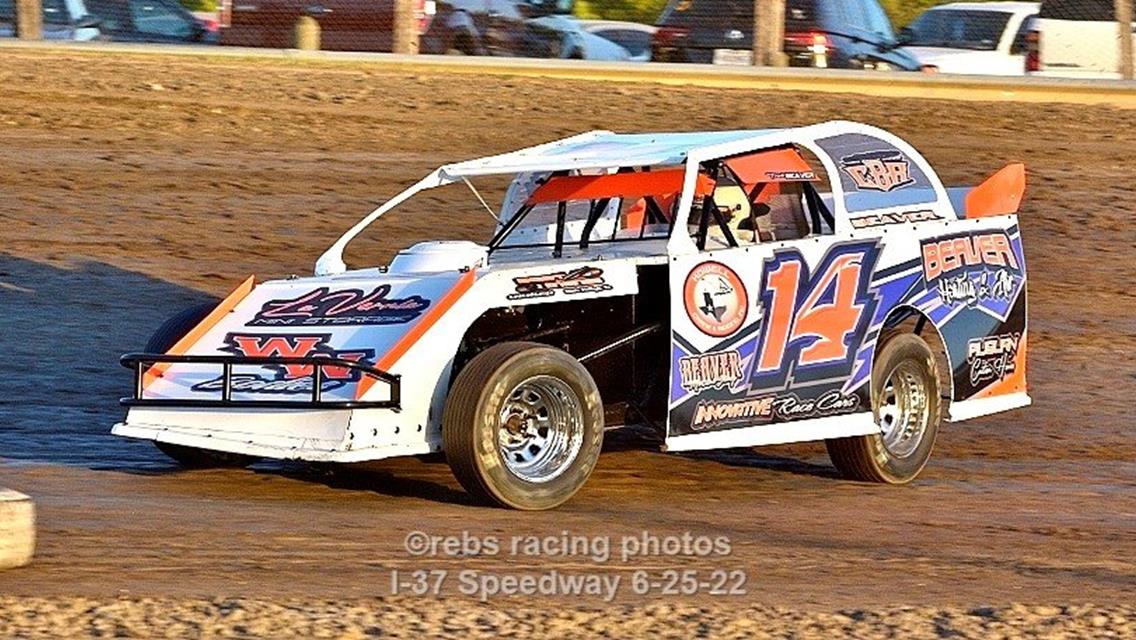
<point x="1000" y="195"/>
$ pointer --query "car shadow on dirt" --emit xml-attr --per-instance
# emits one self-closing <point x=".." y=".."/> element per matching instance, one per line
<point x="641" y="437"/>
<point x="396" y="478"/>
<point x="62" y="330"/>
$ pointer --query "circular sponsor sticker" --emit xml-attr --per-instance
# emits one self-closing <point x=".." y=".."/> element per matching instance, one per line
<point x="716" y="300"/>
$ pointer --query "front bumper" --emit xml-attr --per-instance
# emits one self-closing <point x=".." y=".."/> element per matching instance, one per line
<point x="143" y="363"/>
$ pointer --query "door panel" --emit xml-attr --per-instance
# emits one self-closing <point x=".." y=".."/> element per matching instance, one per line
<point x="768" y="334"/>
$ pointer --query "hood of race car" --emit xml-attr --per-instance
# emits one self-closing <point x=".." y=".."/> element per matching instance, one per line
<point x="365" y="316"/>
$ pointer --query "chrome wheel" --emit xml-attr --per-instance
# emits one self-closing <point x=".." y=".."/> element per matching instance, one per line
<point x="903" y="412"/>
<point x="540" y="429"/>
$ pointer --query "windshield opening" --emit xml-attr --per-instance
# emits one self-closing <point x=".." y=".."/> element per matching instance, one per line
<point x="582" y="209"/>
<point x="956" y="29"/>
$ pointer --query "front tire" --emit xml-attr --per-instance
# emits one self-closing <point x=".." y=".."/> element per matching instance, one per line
<point x="193" y="458"/>
<point x="523" y="426"/>
<point x="906" y="405"/>
<point x="162" y="341"/>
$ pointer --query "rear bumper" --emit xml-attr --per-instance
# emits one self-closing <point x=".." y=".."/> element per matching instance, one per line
<point x="967" y="409"/>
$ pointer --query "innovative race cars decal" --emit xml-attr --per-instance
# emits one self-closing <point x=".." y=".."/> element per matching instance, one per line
<point x="324" y="307"/>
<point x="287" y="378"/>
<point x="807" y="350"/>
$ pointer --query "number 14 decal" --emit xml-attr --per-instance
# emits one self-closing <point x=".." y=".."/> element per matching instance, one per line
<point x="814" y="320"/>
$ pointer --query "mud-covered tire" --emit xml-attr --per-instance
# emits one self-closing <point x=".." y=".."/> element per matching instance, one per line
<point x="906" y="403"/>
<point x="162" y="341"/>
<point x="193" y="458"/>
<point x="505" y="397"/>
<point x="177" y="326"/>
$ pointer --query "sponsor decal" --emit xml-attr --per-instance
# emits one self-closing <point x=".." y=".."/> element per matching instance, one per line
<point x="829" y="403"/>
<point x="716" y="300"/>
<point x="577" y="281"/>
<point x="287" y="378"/>
<point x="992" y="358"/>
<point x="996" y="285"/>
<point x="713" y="414"/>
<point x="709" y="415"/>
<point x="883" y="171"/>
<point x="816" y="318"/>
<point x="900" y="217"/>
<point x="717" y="370"/>
<point x="345" y="307"/>
<point x="969" y="268"/>
<point x="942" y="256"/>
<point x="791" y="176"/>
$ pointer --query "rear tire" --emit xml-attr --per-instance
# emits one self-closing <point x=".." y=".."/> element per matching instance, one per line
<point x="162" y="341"/>
<point x="523" y="426"/>
<point x="906" y="403"/>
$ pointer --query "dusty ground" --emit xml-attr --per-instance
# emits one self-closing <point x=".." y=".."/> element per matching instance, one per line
<point x="130" y="187"/>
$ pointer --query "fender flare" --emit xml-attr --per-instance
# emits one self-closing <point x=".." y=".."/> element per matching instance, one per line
<point x="903" y="311"/>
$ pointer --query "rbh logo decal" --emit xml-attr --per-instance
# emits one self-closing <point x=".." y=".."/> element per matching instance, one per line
<point x="287" y="378"/>
<point x="878" y="170"/>
<point x="814" y="322"/>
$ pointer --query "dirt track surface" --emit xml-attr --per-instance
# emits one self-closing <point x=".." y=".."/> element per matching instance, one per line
<point x="350" y="620"/>
<point x="131" y="187"/>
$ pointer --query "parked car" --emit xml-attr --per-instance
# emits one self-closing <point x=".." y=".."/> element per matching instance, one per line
<point x="62" y="20"/>
<point x="150" y="21"/>
<point x="849" y="34"/>
<point x="533" y="28"/>
<point x="345" y="25"/>
<point x="632" y="36"/>
<point x="1075" y="38"/>
<point x="976" y="38"/>
<point x="559" y="36"/>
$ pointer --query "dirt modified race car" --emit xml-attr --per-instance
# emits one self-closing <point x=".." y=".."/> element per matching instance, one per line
<point x="725" y="289"/>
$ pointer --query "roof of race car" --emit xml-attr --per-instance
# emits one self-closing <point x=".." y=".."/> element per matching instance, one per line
<point x="601" y="149"/>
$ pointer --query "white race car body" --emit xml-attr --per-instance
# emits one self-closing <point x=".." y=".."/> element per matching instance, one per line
<point x="769" y="342"/>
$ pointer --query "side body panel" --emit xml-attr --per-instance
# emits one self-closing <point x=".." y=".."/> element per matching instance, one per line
<point x="410" y="326"/>
<point x="775" y="342"/>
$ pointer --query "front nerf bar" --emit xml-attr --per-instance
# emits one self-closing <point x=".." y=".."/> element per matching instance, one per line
<point x="141" y="363"/>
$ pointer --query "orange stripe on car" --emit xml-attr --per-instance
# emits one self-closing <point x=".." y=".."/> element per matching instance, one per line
<point x="188" y="340"/>
<point x="390" y="358"/>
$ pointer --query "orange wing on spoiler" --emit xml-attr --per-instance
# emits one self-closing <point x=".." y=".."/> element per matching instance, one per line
<point x="1000" y="195"/>
<point x="778" y="165"/>
<point x="617" y="185"/>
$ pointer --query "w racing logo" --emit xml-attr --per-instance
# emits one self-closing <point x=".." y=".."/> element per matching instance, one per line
<point x="287" y="378"/>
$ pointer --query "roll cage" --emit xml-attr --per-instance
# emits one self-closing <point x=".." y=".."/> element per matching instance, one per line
<point x="579" y="166"/>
